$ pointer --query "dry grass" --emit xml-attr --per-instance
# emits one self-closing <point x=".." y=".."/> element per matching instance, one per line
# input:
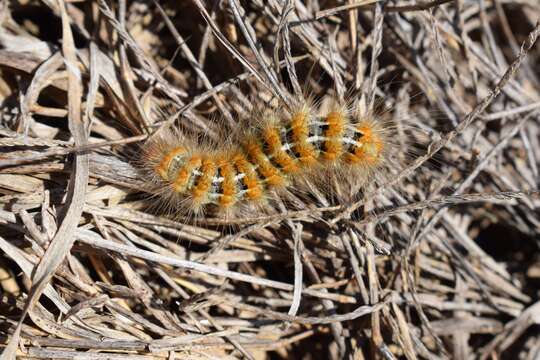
<point x="441" y="261"/>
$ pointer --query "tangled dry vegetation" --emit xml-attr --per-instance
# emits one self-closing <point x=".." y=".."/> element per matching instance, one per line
<point x="440" y="261"/>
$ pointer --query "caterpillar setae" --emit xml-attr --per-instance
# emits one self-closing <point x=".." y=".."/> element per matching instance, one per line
<point x="275" y="154"/>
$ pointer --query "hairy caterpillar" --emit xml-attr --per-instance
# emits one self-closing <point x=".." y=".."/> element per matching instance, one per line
<point x="277" y="152"/>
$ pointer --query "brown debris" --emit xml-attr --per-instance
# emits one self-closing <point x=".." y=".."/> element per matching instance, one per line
<point x="440" y="260"/>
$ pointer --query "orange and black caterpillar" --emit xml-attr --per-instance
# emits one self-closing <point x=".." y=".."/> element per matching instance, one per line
<point x="278" y="152"/>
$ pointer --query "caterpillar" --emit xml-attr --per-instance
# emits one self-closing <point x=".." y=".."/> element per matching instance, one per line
<point x="274" y="153"/>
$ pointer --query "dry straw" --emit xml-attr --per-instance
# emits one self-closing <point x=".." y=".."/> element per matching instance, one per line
<point x="439" y="260"/>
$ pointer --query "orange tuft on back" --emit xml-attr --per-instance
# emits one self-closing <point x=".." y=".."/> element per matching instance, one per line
<point x="163" y="167"/>
<point x="185" y="172"/>
<point x="228" y="187"/>
<point x="271" y="137"/>
<point x="300" y="132"/>
<point x="371" y="147"/>
<point x="250" y="180"/>
<point x="204" y="181"/>
<point x="333" y="147"/>
<point x="266" y="169"/>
